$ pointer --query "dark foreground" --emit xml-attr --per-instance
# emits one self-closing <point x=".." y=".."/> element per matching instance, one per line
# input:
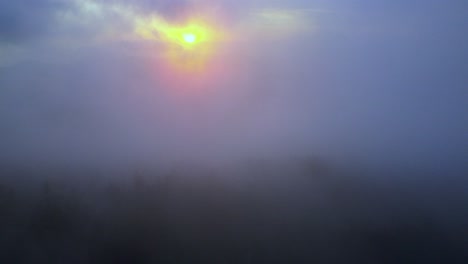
<point x="260" y="214"/>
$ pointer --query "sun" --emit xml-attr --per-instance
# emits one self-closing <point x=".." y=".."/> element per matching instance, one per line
<point x="195" y="31"/>
<point x="189" y="38"/>
<point x="188" y="46"/>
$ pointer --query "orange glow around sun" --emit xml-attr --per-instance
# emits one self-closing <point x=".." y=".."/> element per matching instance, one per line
<point x="189" y="46"/>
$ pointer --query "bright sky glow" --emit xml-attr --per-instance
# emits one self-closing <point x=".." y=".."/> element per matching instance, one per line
<point x="190" y="42"/>
<point x="188" y="46"/>
<point x="236" y="67"/>
<point x="196" y="30"/>
<point x="190" y="38"/>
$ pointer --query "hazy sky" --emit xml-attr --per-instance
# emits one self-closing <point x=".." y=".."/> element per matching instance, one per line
<point x="97" y="80"/>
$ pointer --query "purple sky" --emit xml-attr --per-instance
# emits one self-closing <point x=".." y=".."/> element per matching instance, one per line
<point x="381" y="81"/>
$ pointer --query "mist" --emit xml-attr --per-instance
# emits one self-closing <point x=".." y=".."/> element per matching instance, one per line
<point x="288" y="131"/>
<point x="355" y="81"/>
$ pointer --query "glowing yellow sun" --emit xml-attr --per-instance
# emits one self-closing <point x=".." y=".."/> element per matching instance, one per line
<point x="188" y="46"/>
<point x="189" y="38"/>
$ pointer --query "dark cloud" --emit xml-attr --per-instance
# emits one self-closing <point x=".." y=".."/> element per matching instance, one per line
<point x="26" y="19"/>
